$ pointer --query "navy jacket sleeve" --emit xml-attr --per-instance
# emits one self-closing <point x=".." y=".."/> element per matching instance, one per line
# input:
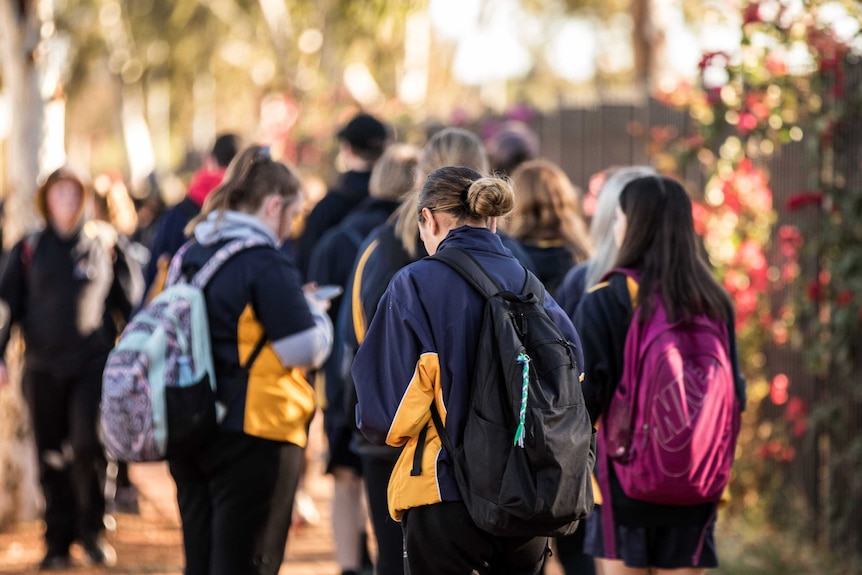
<point x="387" y="364"/>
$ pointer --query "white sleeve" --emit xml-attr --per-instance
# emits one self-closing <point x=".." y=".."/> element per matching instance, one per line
<point x="308" y="348"/>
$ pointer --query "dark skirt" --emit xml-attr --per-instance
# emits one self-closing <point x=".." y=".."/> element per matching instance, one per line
<point x="660" y="547"/>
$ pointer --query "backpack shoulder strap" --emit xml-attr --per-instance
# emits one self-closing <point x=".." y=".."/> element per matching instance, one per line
<point x="222" y="255"/>
<point x="467" y="267"/>
<point x="176" y="265"/>
<point x="534" y="286"/>
<point x="28" y="249"/>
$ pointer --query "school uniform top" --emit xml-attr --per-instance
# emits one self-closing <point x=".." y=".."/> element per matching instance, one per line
<point x="420" y="348"/>
<point x="551" y="261"/>
<point x="348" y="192"/>
<point x="332" y="263"/>
<point x="603" y="316"/>
<point x="380" y="257"/>
<point x="571" y="290"/>
<point x="257" y="293"/>
<point x="334" y="255"/>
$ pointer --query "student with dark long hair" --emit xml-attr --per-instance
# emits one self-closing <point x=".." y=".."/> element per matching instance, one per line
<point x="236" y="493"/>
<point x="654" y="230"/>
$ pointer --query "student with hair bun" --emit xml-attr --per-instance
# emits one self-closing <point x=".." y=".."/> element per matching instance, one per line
<point x="236" y="493"/>
<point x="420" y="348"/>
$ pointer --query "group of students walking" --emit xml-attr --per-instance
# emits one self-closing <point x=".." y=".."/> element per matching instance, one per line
<point x="400" y="338"/>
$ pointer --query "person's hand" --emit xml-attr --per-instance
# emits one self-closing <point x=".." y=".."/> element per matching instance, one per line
<point x="4" y="374"/>
<point x="314" y="303"/>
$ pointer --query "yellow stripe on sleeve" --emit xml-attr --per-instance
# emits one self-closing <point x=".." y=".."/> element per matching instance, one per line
<point x="360" y="322"/>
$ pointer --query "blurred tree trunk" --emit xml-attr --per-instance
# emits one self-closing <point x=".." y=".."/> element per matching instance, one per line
<point x="19" y="39"/>
<point x="642" y="41"/>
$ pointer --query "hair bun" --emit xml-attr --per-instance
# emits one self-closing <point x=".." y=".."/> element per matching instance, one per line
<point x="490" y="197"/>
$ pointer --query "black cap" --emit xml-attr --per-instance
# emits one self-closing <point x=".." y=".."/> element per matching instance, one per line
<point x="364" y="132"/>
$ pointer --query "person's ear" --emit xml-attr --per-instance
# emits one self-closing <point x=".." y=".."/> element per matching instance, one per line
<point x="274" y="204"/>
<point x="430" y="220"/>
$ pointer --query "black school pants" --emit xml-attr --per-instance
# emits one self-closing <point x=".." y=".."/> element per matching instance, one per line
<point x="376" y="472"/>
<point x="441" y="539"/>
<point x="64" y="413"/>
<point x="236" y="496"/>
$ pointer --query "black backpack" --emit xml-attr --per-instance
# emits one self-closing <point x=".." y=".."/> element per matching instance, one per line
<point x="524" y="466"/>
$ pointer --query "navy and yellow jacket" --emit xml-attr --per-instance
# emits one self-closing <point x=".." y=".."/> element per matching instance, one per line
<point x="257" y="293"/>
<point x="419" y="348"/>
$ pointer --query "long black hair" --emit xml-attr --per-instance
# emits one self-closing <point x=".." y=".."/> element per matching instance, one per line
<point x="660" y="241"/>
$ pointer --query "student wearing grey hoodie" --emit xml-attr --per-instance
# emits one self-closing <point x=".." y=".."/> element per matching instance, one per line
<point x="236" y="493"/>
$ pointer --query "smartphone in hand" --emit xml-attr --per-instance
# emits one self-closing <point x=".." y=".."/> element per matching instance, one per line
<point x="327" y="292"/>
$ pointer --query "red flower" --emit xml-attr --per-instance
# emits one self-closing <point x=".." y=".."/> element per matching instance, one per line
<point x="804" y="198"/>
<point x="814" y="291"/>
<point x="699" y="214"/>
<point x="796" y="408"/>
<point x="844" y="298"/>
<point x="708" y="57"/>
<point x="789" y="240"/>
<point x="751" y="13"/>
<point x="747" y="122"/>
<point x="776" y="66"/>
<point x="778" y="389"/>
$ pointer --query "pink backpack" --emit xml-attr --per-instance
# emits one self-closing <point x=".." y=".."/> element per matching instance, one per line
<point x="670" y="430"/>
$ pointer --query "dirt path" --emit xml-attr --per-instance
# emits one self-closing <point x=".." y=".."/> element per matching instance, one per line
<point x="151" y="542"/>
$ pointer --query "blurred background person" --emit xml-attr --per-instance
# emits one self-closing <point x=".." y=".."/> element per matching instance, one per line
<point x="67" y="286"/>
<point x="113" y="205"/>
<point x="587" y="274"/>
<point x="547" y="220"/>
<point x="512" y="145"/>
<point x="392" y="177"/>
<point x="170" y="232"/>
<point x="361" y="143"/>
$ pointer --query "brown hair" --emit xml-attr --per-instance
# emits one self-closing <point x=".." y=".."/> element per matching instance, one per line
<point x="466" y="194"/>
<point x="250" y="178"/>
<point x="548" y="208"/>
<point x="62" y="174"/>
<point x="394" y="174"/>
<point x="448" y="147"/>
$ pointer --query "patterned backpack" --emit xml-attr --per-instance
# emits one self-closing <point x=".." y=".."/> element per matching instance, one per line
<point x="158" y="386"/>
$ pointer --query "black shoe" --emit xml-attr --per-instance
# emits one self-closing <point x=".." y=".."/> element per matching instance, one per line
<point x="99" y="551"/>
<point x="55" y="561"/>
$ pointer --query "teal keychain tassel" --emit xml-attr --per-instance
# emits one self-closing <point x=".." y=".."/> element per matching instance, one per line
<point x="524" y="360"/>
